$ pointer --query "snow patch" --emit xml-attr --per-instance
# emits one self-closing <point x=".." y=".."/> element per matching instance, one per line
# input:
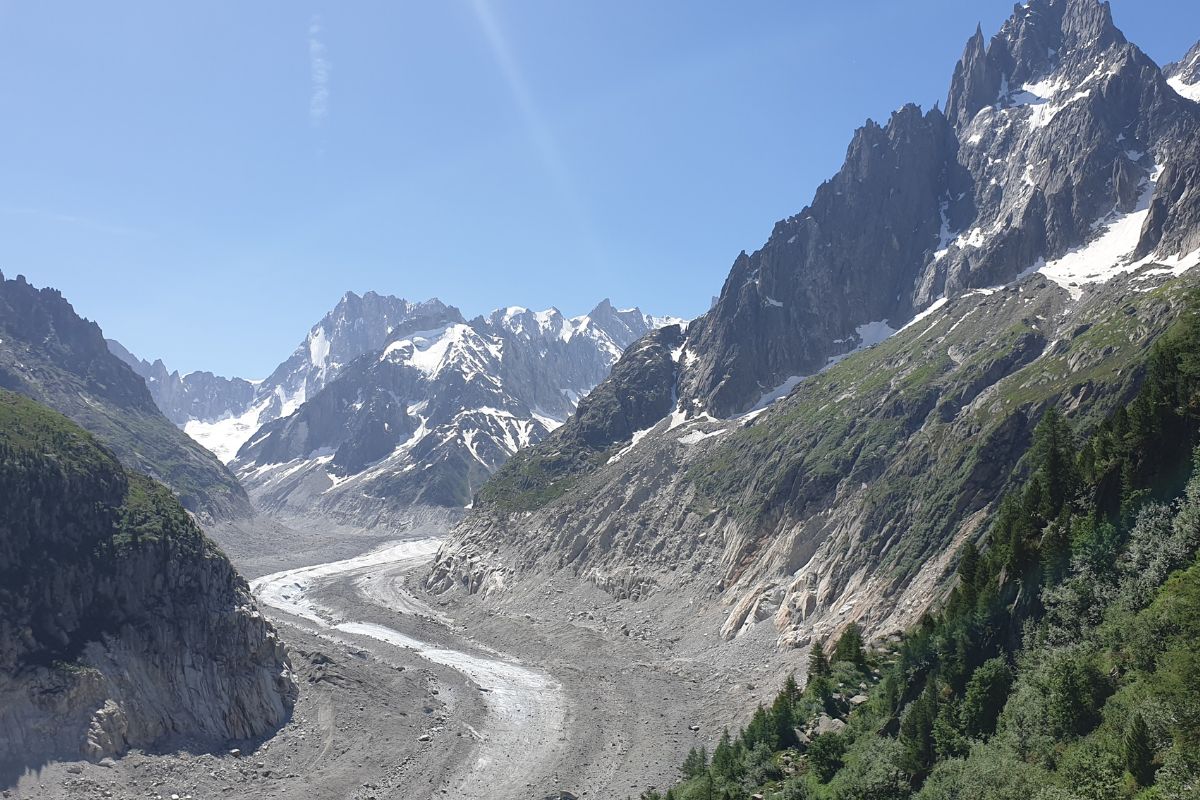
<point x="695" y="437"/>
<point x="1109" y="254"/>
<point x="318" y="349"/>
<point x="1188" y="91"/>
<point x="224" y="437"/>
<point x="934" y="306"/>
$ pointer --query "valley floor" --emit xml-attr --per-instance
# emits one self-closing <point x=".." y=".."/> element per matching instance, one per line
<point x="406" y="696"/>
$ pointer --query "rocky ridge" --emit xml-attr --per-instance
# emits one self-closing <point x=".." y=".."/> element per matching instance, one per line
<point x="199" y="396"/>
<point x="1054" y="130"/>
<point x="49" y="353"/>
<point x="1045" y="223"/>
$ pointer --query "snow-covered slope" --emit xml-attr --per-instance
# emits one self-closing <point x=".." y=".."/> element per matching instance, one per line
<point x="222" y="413"/>
<point x="1184" y="76"/>
<point x="421" y="421"/>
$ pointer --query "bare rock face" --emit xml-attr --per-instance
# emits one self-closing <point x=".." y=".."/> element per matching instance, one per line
<point x="196" y="395"/>
<point x="1021" y="249"/>
<point x="121" y="625"/>
<point x="1052" y="131"/>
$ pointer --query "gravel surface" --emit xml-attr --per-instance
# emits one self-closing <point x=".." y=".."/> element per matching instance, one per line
<point x="403" y="695"/>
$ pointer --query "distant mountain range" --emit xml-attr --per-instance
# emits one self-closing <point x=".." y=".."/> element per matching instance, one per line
<point x="390" y="409"/>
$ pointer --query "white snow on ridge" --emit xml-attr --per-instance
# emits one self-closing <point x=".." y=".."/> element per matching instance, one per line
<point x="771" y="395"/>
<point x="318" y="349"/>
<point x="1189" y="91"/>
<point x="934" y="306"/>
<point x="695" y="437"/>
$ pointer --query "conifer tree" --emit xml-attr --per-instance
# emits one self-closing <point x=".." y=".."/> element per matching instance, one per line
<point x="916" y="731"/>
<point x="724" y="758"/>
<point x="849" y="647"/>
<point x="818" y="664"/>
<point x="783" y="721"/>
<point x="968" y="569"/>
<point x="1138" y="751"/>
<point x="696" y="763"/>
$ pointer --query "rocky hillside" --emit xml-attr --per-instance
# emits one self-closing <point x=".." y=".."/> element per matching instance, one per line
<point x="49" y="353"/>
<point x="153" y="638"/>
<point x="413" y="427"/>
<point x="1043" y="226"/>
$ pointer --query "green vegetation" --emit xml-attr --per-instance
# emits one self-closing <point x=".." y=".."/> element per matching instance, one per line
<point x="932" y="422"/>
<point x="74" y="519"/>
<point x="1065" y="663"/>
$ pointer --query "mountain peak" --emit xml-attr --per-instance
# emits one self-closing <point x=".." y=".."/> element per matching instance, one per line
<point x="1039" y="36"/>
<point x="604" y="307"/>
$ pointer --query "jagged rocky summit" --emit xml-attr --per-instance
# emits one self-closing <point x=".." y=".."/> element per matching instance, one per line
<point x="962" y="271"/>
<point x="392" y="412"/>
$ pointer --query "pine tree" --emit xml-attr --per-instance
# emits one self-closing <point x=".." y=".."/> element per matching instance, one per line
<point x="724" y="758"/>
<point x="783" y="721"/>
<point x="818" y="664"/>
<point x="1056" y="548"/>
<point x="696" y="763"/>
<point x="916" y="731"/>
<point x="1138" y="751"/>
<point x="985" y="696"/>
<point x="849" y="647"/>
<point x="761" y="730"/>
<point x="968" y="570"/>
<point x="1053" y="459"/>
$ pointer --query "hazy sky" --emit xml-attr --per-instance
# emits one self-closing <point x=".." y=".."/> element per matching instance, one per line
<point x="205" y="179"/>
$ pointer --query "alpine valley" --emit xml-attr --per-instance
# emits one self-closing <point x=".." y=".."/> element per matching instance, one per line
<point x="912" y="511"/>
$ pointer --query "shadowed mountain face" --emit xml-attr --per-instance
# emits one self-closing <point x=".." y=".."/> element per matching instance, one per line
<point x="1019" y="249"/>
<point x="49" y="353"/>
<point x="123" y="625"/>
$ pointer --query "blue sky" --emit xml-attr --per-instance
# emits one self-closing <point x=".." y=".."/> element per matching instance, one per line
<point x="205" y="179"/>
